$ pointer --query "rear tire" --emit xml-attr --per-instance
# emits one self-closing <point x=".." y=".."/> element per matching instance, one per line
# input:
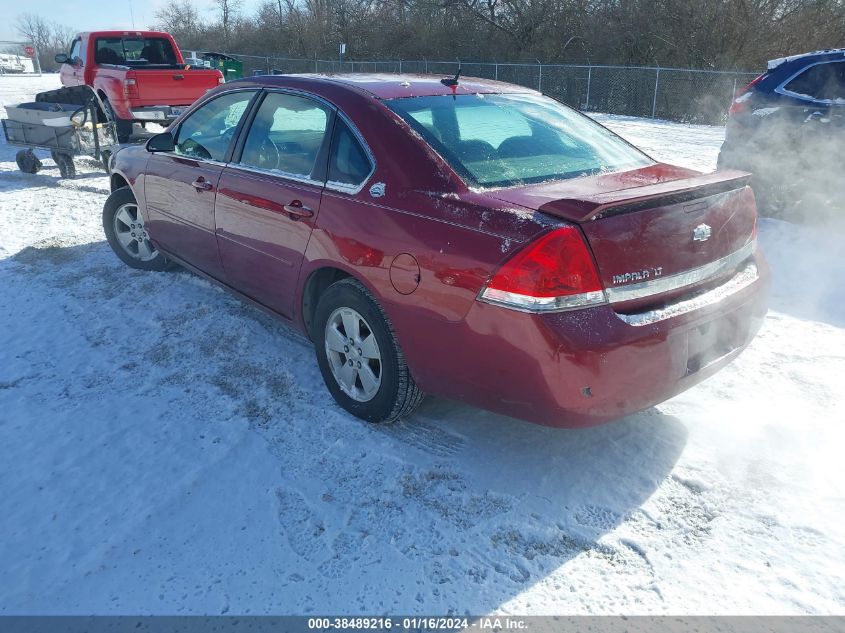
<point x="360" y="357"/>
<point x="28" y="162"/>
<point x="126" y="232"/>
<point x="122" y="127"/>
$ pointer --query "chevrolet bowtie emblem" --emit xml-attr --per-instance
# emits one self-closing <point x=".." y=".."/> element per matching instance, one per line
<point x="701" y="233"/>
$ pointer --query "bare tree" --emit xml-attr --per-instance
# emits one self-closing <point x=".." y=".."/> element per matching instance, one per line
<point x="228" y="11"/>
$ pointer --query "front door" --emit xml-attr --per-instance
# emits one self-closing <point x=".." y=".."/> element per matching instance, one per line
<point x="73" y="72"/>
<point x="268" y="198"/>
<point x="180" y="187"/>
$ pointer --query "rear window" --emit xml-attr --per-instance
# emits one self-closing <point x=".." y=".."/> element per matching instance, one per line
<point x="506" y="140"/>
<point x="822" y="82"/>
<point x="135" y="51"/>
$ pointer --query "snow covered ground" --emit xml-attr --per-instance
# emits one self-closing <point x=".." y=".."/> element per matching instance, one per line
<point x="165" y="448"/>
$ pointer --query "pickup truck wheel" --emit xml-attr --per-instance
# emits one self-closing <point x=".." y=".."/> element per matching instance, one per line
<point x="359" y="356"/>
<point x="123" y="128"/>
<point x="27" y="162"/>
<point x="65" y="164"/>
<point x="126" y="232"/>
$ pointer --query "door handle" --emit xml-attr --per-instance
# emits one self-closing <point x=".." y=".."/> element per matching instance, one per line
<point x="200" y="184"/>
<point x="296" y="210"/>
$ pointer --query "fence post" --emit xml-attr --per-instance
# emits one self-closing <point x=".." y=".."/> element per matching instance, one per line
<point x="734" y="97"/>
<point x="36" y="60"/>
<point x="589" y="78"/>
<point x="540" y="78"/>
<point x="654" y="101"/>
<point x="426" y="65"/>
<point x="497" y="71"/>
<point x="400" y="66"/>
<point x="315" y="63"/>
<point x="267" y="59"/>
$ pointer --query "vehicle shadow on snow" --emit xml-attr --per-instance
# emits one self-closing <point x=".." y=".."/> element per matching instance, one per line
<point x="48" y="176"/>
<point x="461" y="510"/>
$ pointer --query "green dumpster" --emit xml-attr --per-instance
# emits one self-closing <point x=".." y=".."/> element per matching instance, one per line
<point x="229" y="66"/>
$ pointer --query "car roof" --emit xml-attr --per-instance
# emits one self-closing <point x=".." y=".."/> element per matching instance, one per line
<point x="799" y="61"/>
<point x="394" y="86"/>
<point x="122" y="33"/>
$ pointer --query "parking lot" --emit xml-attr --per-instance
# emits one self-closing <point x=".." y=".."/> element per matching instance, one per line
<point x="165" y="448"/>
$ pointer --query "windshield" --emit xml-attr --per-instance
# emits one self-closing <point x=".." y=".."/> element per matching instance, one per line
<point x="135" y="51"/>
<point x="502" y="140"/>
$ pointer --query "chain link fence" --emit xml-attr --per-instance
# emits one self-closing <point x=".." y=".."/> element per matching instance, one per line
<point x="675" y="94"/>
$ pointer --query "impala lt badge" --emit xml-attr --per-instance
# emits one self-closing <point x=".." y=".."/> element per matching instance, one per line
<point x="701" y="233"/>
<point x="638" y="275"/>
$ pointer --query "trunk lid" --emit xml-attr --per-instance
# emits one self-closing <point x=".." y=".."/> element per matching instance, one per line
<point x="657" y="232"/>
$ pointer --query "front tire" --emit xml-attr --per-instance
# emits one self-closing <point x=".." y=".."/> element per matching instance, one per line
<point x="359" y="356"/>
<point x="126" y="232"/>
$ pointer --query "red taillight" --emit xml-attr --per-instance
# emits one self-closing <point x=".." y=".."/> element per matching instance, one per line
<point x="555" y="272"/>
<point x="130" y="88"/>
<point x="740" y="101"/>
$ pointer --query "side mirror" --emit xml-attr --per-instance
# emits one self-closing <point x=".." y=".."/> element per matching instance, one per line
<point x="161" y="143"/>
<point x="61" y="58"/>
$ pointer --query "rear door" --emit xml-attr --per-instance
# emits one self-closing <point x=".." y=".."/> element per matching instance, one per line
<point x="180" y="187"/>
<point x="818" y="122"/>
<point x="269" y="197"/>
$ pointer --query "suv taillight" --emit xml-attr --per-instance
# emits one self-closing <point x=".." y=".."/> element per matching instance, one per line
<point x="553" y="273"/>
<point x="740" y="102"/>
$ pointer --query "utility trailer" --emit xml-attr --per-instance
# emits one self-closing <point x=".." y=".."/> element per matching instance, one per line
<point x="67" y="122"/>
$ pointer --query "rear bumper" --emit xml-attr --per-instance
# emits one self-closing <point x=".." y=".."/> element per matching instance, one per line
<point x="586" y="367"/>
<point x="160" y="113"/>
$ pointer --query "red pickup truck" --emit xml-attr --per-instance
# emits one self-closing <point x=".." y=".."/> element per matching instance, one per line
<point x="140" y="75"/>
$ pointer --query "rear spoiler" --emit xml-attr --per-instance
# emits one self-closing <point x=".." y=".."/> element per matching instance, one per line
<point x="602" y="205"/>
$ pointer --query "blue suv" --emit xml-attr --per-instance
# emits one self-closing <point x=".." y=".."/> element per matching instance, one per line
<point x="787" y="127"/>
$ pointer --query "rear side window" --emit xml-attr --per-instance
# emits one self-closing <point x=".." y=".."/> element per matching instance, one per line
<point x="349" y="164"/>
<point x="287" y="135"/>
<point x="207" y="133"/>
<point x="822" y="82"/>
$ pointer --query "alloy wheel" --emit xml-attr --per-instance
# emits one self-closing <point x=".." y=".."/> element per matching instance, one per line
<point x="132" y="233"/>
<point x="353" y="353"/>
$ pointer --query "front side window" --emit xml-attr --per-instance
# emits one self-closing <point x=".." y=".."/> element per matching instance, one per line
<point x="503" y="140"/>
<point x="822" y="82"/>
<point x="135" y="51"/>
<point x="287" y="135"/>
<point x="207" y="133"/>
<point x="75" y="49"/>
<point x="349" y="164"/>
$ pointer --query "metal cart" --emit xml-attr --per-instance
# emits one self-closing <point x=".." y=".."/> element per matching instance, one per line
<point x="67" y="122"/>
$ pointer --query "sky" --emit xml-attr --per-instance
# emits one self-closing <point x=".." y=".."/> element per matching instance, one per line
<point x="92" y="16"/>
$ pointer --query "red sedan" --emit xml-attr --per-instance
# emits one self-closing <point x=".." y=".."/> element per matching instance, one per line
<point x="469" y="239"/>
